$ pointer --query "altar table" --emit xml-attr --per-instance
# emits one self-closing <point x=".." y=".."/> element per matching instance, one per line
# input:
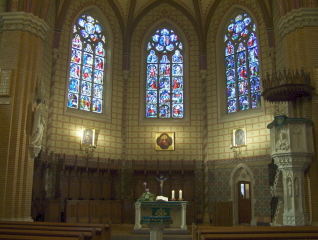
<point x="175" y="209"/>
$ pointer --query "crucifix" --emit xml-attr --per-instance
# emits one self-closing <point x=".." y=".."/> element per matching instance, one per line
<point x="161" y="179"/>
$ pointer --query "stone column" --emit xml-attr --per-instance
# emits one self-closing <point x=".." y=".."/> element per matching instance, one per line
<point x="22" y="49"/>
<point x="292" y="150"/>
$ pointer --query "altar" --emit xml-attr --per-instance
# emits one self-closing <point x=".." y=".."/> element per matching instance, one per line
<point x="175" y="209"/>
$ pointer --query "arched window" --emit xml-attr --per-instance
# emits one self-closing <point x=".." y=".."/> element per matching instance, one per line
<point x="241" y="65"/>
<point x="165" y="76"/>
<point x="87" y="65"/>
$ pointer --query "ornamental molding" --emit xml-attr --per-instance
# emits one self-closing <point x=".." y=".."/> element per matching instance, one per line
<point x="26" y="22"/>
<point x="298" y="18"/>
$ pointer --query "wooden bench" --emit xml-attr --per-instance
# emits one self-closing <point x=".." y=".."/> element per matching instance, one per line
<point x="284" y="232"/>
<point x="23" y="237"/>
<point x="99" y="231"/>
<point x="48" y="233"/>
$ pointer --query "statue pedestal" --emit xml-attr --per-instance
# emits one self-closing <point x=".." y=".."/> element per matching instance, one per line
<point x="156" y="225"/>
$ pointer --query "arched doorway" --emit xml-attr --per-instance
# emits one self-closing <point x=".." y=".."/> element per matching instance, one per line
<point x="242" y="194"/>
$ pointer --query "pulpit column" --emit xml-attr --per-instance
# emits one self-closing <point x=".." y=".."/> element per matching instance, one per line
<point x="137" y="216"/>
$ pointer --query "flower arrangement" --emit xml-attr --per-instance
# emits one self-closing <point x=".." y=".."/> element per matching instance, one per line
<point x="146" y="196"/>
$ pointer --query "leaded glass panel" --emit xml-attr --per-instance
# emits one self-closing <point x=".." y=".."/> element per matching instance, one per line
<point x="87" y="66"/>
<point x="241" y="65"/>
<point x="164" y="80"/>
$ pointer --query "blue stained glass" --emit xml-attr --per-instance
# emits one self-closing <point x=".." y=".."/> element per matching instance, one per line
<point x="76" y="56"/>
<point x="225" y="38"/>
<point x="85" y="103"/>
<point x="231" y="90"/>
<point x="229" y="49"/>
<point x="152" y="57"/>
<point x="164" y="111"/>
<point x="177" y="82"/>
<point x="86" y="88"/>
<point x="239" y="26"/>
<point x="164" y="82"/>
<point x="88" y="59"/>
<point x="87" y="64"/>
<point x="164" y="59"/>
<point x="230" y="75"/>
<point x="97" y="105"/>
<point x="256" y="100"/>
<point x="164" y="96"/>
<point x="87" y="73"/>
<point x="247" y="21"/>
<point x="98" y="28"/>
<point x="254" y="69"/>
<point x="240" y="47"/>
<point x="177" y="111"/>
<point x="177" y="96"/>
<point x="98" y="76"/>
<point x="235" y="36"/>
<point x="159" y="47"/>
<point x="242" y="73"/>
<point x="253" y="55"/>
<point x="151" y="97"/>
<point x="72" y="100"/>
<point x="151" y="111"/>
<point x="164" y="69"/>
<point x="241" y="59"/>
<point x="244" y="32"/>
<point x="164" y="62"/>
<point x="244" y="102"/>
<point x="177" y="57"/>
<point x="170" y="47"/>
<point x="229" y="62"/>
<point x="252" y="41"/>
<point x="155" y="38"/>
<point x="77" y="43"/>
<point x="231" y="105"/>
<point x="238" y="18"/>
<point x="152" y="83"/>
<point x="243" y="87"/>
<point x="98" y="91"/>
<point x="75" y="70"/>
<point x="84" y="33"/>
<point x="177" y="70"/>
<point x="73" y="85"/>
<point x="255" y="85"/>
<point x="152" y="70"/>
<point x="230" y="28"/>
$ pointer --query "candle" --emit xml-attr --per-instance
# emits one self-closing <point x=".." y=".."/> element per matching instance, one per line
<point x="172" y="194"/>
<point x="180" y="194"/>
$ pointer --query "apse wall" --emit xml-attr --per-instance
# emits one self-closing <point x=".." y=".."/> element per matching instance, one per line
<point x="188" y="132"/>
<point x="220" y="125"/>
<point x="65" y="128"/>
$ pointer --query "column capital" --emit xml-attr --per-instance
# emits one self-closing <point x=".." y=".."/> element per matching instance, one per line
<point x="26" y="22"/>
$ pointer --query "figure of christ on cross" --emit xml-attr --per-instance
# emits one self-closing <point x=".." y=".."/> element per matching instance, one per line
<point x="161" y="179"/>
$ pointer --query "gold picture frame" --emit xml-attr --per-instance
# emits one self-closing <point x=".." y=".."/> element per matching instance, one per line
<point x="164" y="141"/>
<point x="239" y="137"/>
<point x="88" y="137"/>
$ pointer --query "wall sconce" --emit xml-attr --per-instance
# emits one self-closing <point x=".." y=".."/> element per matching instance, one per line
<point x="87" y="145"/>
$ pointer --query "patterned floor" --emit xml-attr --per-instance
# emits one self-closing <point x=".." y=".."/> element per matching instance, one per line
<point x="124" y="232"/>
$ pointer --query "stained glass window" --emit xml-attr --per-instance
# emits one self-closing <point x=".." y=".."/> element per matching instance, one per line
<point x="86" y="78"/>
<point x="164" y="83"/>
<point x="242" y="65"/>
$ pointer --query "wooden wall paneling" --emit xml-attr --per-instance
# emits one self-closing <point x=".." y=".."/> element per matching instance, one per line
<point x="222" y="214"/>
<point x="83" y="213"/>
<point x="106" y="188"/>
<point x="116" y="211"/>
<point x="139" y="188"/>
<point x="71" y="211"/>
<point x="105" y="211"/>
<point x="188" y="192"/>
<point x="52" y="210"/>
<point x="85" y="186"/>
<point x="94" y="211"/>
<point x="74" y="187"/>
<point x="191" y="212"/>
<point x="153" y="186"/>
<point x="64" y="184"/>
<point x="96" y="187"/>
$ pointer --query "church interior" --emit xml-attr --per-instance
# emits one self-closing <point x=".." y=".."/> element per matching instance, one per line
<point x="106" y="102"/>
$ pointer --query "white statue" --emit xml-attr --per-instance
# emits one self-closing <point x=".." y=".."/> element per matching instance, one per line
<point x="38" y="125"/>
<point x="282" y="143"/>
